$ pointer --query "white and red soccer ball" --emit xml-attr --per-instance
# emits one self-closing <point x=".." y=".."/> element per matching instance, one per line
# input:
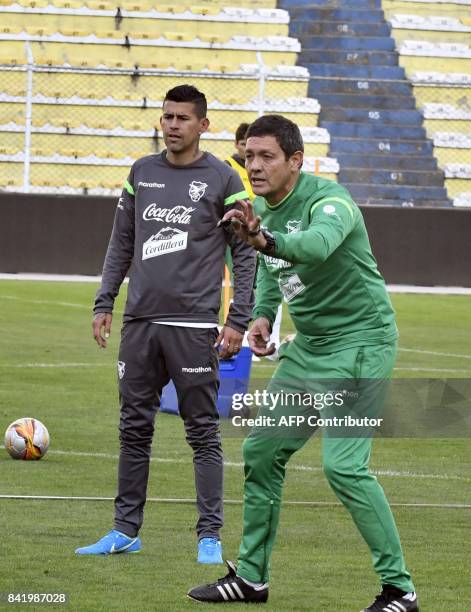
<point x="27" y="439"/>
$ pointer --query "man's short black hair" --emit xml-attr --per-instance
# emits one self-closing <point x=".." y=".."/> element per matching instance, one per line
<point x="285" y="131"/>
<point x="188" y="93"/>
<point x="241" y="131"/>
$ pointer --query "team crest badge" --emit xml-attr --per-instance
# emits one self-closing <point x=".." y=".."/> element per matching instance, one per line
<point x="293" y="226"/>
<point x="121" y="369"/>
<point x="197" y="190"/>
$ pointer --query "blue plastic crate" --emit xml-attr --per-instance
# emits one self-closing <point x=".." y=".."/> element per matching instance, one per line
<point x="234" y="374"/>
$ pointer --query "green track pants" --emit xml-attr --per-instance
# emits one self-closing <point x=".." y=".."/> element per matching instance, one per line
<point x="345" y="464"/>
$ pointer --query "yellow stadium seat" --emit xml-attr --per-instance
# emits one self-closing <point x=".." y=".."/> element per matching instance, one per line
<point x="213" y="38"/>
<point x="8" y="151"/>
<point x="111" y="184"/>
<point x="11" y="60"/>
<point x="205" y="10"/>
<point x="193" y="66"/>
<point x="466" y="21"/>
<point x="48" y="60"/>
<point x="12" y="182"/>
<point x="179" y="36"/>
<point x="122" y="64"/>
<point x="170" y="8"/>
<point x="98" y="5"/>
<point x="222" y="67"/>
<point x="73" y="153"/>
<point x="19" y="92"/>
<point x="43" y="182"/>
<point x="134" y="7"/>
<point x="100" y="125"/>
<point x="33" y="3"/>
<point x="10" y="29"/>
<point x="41" y="152"/>
<point x="79" y="61"/>
<point x="75" y="33"/>
<point x="143" y="35"/>
<point x="115" y="34"/>
<point x="109" y="154"/>
<point x="79" y="183"/>
<point x="134" y="126"/>
<point x="132" y="97"/>
<point x="67" y="4"/>
<point x="38" y="121"/>
<point x="68" y="124"/>
<point x="6" y="2"/>
<point x="153" y="65"/>
<point x="232" y="100"/>
<point x="38" y="31"/>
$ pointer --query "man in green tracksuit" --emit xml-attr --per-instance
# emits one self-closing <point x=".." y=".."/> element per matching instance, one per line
<point x="317" y="256"/>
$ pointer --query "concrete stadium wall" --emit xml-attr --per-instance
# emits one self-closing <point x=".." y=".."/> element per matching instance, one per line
<point x="69" y="235"/>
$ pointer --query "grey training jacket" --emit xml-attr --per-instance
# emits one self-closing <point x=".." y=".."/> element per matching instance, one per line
<point x="165" y="234"/>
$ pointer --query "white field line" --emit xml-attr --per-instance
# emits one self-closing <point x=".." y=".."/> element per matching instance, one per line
<point x="47" y="302"/>
<point x="231" y="502"/>
<point x="97" y="279"/>
<point x="432" y="370"/>
<point x="295" y="467"/>
<point x="423" y="352"/>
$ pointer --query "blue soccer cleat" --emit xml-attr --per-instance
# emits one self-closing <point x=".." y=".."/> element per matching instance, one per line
<point x="209" y="550"/>
<point x="112" y="543"/>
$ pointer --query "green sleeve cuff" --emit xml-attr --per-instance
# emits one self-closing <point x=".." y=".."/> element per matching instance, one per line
<point x="129" y="188"/>
<point x="241" y="195"/>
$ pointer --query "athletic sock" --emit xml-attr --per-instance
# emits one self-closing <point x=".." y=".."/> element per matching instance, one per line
<point x="258" y="586"/>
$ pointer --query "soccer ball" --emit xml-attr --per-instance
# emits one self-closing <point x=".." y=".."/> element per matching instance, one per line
<point x="27" y="439"/>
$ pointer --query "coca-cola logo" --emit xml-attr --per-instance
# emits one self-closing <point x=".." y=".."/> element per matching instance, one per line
<point x="177" y="214"/>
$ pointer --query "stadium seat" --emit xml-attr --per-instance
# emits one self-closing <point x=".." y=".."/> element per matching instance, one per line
<point x="178" y="36"/>
<point x="134" y="7"/>
<point x="10" y="29"/>
<point x="41" y="152"/>
<point x="74" y="32"/>
<point x="68" y="124"/>
<point x="80" y="183"/>
<point x="99" y="5"/>
<point x="170" y="8"/>
<point x="205" y="10"/>
<point x="99" y="125"/>
<point x="134" y="126"/>
<point x="80" y="61"/>
<point x="213" y="38"/>
<point x="67" y="4"/>
<point x="8" y="150"/>
<point x="73" y="153"/>
<point x="114" y="34"/>
<point x="12" y="60"/>
<point x="49" y="60"/>
<point x="33" y="3"/>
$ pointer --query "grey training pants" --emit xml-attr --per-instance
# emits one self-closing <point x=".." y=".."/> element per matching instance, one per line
<point x="150" y="355"/>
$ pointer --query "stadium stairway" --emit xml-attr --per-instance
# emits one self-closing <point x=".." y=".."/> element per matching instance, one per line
<point x="367" y="104"/>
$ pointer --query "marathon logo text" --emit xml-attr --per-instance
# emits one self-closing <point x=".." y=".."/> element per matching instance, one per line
<point x="157" y="185"/>
<point x="177" y="214"/>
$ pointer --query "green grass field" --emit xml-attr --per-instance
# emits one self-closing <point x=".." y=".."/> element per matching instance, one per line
<point x="51" y="369"/>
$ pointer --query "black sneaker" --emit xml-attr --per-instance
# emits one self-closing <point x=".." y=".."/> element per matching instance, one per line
<point x="393" y="599"/>
<point x="230" y="589"/>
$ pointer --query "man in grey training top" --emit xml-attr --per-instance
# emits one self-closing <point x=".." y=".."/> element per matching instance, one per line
<point x="166" y="227"/>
